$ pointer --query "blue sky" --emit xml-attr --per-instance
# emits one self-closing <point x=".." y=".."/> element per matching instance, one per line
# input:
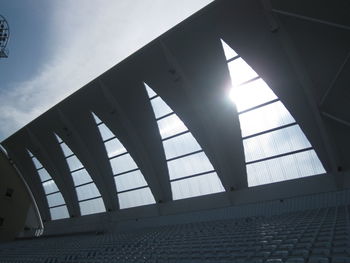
<point x="58" y="46"/>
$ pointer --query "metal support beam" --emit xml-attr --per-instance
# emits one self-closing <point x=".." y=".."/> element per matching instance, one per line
<point x="331" y="86"/>
<point x="332" y="117"/>
<point x="315" y="20"/>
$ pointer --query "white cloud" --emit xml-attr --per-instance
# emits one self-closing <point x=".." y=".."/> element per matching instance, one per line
<point x="88" y="37"/>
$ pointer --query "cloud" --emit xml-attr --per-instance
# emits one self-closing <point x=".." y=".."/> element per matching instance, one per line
<point x="86" y="40"/>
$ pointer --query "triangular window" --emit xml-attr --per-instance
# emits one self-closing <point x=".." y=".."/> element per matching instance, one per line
<point x="131" y="185"/>
<point x="275" y="147"/>
<point x="89" y="197"/>
<point x="191" y="173"/>
<point x="55" y="200"/>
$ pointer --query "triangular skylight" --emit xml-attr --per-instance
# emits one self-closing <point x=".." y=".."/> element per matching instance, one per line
<point x="191" y="173"/>
<point x="275" y="147"/>
<point x="89" y="197"/>
<point x="55" y="200"/>
<point x="131" y="186"/>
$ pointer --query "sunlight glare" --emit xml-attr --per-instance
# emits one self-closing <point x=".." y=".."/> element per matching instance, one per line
<point x="251" y="94"/>
<point x="240" y="72"/>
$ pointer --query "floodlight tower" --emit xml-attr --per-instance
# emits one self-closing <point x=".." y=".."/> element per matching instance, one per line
<point x="4" y="37"/>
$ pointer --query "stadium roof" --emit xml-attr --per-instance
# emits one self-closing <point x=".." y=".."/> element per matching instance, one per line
<point x="159" y="134"/>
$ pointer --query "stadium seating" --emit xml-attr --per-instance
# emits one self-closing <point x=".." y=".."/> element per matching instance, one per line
<point x="314" y="236"/>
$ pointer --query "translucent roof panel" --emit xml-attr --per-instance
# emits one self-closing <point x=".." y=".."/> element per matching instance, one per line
<point x="87" y="191"/>
<point x="274" y="143"/>
<point x="44" y="175"/>
<point x="264" y="118"/>
<point x="81" y="177"/>
<point x="74" y="163"/>
<point x="84" y="185"/>
<point x="30" y="153"/>
<point x="92" y="206"/>
<point x="105" y="132"/>
<point x="150" y="91"/>
<point x="53" y="195"/>
<point x="184" y="155"/>
<point x="36" y="162"/>
<point x="59" y="212"/>
<point x="160" y="107"/>
<point x="114" y="147"/>
<point x="288" y="167"/>
<point x="189" y="165"/>
<point x="64" y="147"/>
<point x="79" y="174"/>
<point x="135" y="198"/>
<point x="251" y="94"/>
<point x="66" y="150"/>
<point x="123" y="164"/>
<point x="50" y="187"/>
<point x="240" y="72"/>
<point x="229" y="52"/>
<point x="180" y="145"/>
<point x="275" y="147"/>
<point x="196" y="186"/>
<point x="55" y="199"/>
<point x="129" y="181"/>
<point x="58" y="138"/>
<point x="128" y="174"/>
<point x="97" y="119"/>
<point x="171" y="125"/>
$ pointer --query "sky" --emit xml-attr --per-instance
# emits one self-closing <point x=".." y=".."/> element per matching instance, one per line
<point x="58" y="46"/>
